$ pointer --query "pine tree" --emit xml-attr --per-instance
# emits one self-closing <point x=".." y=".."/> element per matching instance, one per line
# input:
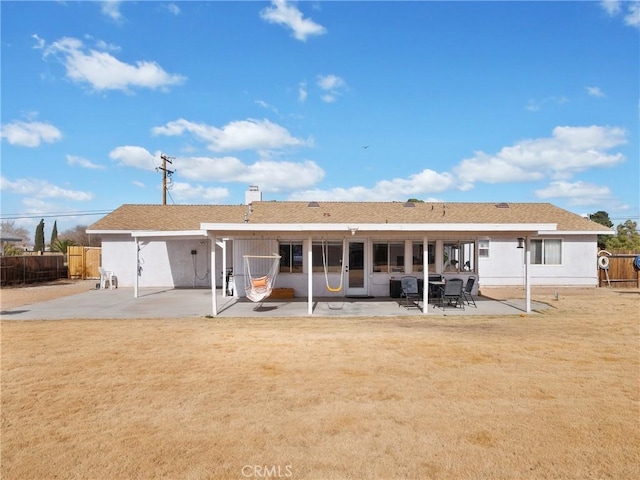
<point x="39" y="239"/>
<point x="54" y="234"/>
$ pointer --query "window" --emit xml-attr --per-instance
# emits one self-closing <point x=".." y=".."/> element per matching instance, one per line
<point x="388" y="257"/>
<point x="332" y="255"/>
<point x="418" y="259"/>
<point x="459" y="257"/>
<point x="291" y="257"/>
<point x="483" y="248"/>
<point x="546" y="251"/>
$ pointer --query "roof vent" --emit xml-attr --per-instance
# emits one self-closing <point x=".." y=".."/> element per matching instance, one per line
<point x="313" y="205"/>
<point x="409" y="204"/>
<point x="502" y="205"/>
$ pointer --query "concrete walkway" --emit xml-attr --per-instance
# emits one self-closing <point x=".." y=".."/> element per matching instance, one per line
<point x="177" y="303"/>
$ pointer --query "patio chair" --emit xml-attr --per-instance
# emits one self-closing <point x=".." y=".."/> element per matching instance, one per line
<point x="107" y="276"/>
<point x="466" y="291"/>
<point x="410" y="290"/>
<point x="452" y="294"/>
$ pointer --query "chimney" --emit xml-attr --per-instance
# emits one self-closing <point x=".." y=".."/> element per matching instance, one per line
<point x="252" y="195"/>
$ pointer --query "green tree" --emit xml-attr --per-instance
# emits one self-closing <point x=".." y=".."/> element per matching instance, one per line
<point x="54" y="234"/>
<point x="602" y="218"/>
<point x="39" y="238"/>
<point x="626" y="238"/>
<point x="62" y="245"/>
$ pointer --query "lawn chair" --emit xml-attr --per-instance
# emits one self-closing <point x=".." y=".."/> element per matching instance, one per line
<point x="410" y="290"/>
<point x="466" y="291"/>
<point x="452" y="294"/>
<point x="107" y="276"/>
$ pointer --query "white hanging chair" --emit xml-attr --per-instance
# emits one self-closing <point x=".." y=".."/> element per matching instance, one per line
<point x="259" y="287"/>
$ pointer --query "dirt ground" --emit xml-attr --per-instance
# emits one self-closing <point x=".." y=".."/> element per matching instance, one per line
<point x="549" y="396"/>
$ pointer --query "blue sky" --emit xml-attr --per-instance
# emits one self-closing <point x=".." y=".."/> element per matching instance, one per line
<point x="454" y="101"/>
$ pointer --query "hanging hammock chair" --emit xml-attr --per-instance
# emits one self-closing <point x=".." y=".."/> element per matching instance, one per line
<point x="259" y="287"/>
<point x="326" y="268"/>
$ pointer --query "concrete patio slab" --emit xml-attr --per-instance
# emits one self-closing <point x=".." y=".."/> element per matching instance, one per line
<point x="177" y="303"/>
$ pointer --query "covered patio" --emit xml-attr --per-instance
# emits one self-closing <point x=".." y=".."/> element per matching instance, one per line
<point x="177" y="303"/>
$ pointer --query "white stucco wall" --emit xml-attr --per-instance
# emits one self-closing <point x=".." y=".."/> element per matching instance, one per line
<point x="169" y="263"/>
<point x="163" y="262"/>
<point x="578" y="267"/>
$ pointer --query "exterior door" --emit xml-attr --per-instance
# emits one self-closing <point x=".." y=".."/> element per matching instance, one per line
<point x="356" y="277"/>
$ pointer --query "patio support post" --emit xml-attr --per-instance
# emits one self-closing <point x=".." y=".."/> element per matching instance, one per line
<point x="425" y="274"/>
<point x="527" y="274"/>
<point x="225" y="286"/>
<point x="214" y="300"/>
<point x="310" y="278"/>
<point x="136" y="275"/>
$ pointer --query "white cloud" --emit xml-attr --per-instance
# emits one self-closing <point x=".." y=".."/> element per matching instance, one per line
<point x="239" y="135"/>
<point x="595" y="92"/>
<point x="173" y="8"/>
<point x="188" y="193"/>
<point x="302" y="91"/>
<point x="42" y="189"/>
<point x="30" y="134"/>
<point x="422" y="183"/>
<point x="267" y="106"/>
<point x="74" y="160"/>
<point x="139" y="184"/>
<point x="632" y="18"/>
<point x="612" y="7"/>
<point x="272" y="176"/>
<point x="533" y="105"/>
<point x="102" y="71"/>
<point x="332" y="85"/>
<point x="40" y="43"/>
<point x="577" y="193"/>
<point x="289" y="16"/>
<point x="615" y="7"/>
<point x="111" y="9"/>
<point x="133" y="156"/>
<point x="568" y="151"/>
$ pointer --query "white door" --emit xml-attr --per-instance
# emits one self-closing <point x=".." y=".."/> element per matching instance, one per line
<point x="355" y="268"/>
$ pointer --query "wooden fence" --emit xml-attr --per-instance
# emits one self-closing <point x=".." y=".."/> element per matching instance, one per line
<point x="32" y="268"/>
<point x="84" y="262"/>
<point x="620" y="273"/>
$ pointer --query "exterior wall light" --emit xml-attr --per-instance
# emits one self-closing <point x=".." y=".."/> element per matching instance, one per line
<point x="520" y="242"/>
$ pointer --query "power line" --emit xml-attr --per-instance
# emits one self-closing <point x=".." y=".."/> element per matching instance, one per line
<point x="83" y="213"/>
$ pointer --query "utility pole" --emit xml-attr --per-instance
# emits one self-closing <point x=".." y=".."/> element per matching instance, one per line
<point x="166" y="173"/>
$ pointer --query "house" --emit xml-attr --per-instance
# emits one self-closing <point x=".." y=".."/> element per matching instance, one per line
<point x="336" y="249"/>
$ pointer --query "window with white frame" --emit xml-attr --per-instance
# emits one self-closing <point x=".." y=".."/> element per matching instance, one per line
<point x="459" y="256"/>
<point x="483" y="248"/>
<point x="290" y="257"/>
<point x="388" y="257"/>
<point x="546" y="251"/>
<point x="418" y="256"/>
<point x="329" y="253"/>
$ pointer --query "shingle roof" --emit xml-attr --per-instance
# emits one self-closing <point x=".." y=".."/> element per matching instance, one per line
<point x="189" y="217"/>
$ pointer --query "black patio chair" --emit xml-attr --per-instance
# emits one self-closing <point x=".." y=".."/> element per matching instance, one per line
<point x="466" y="291"/>
<point x="410" y="290"/>
<point x="452" y="294"/>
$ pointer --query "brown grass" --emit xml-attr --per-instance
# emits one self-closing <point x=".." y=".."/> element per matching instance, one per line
<point x="548" y="396"/>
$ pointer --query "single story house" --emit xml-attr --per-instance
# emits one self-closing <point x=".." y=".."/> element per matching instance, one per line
<point x="337" y="249"/>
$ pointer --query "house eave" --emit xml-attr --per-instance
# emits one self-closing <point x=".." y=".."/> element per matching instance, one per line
<point x="378" y="227"/>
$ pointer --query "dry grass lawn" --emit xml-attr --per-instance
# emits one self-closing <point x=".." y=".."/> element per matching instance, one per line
<point x="549" y="396"/>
